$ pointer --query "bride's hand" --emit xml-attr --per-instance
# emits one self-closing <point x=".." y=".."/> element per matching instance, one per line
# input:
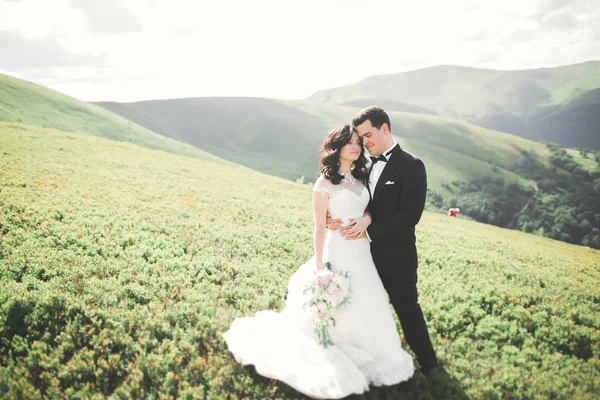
<point x="320" y="266"/>
<point x="357" y="228"/>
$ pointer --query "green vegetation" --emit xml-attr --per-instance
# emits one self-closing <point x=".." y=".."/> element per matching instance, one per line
<point x="551" y="104"/>
<point x="31" y="104"/>
<point x="574" y="123"/>
<point x="567" y="206"/>
<point x="487" y="200"/>
<point x="562" y="205"/>
<point x="121" y="267"/>
<point x="263" y="134"/>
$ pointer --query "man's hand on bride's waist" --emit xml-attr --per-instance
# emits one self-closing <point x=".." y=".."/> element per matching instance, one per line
<point x="333" y="224"/>
<point x="356" y="229"/>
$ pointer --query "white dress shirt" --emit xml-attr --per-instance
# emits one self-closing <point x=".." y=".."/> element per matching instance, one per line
<point x="378" y="169"/>
<point x="376" y="173"/>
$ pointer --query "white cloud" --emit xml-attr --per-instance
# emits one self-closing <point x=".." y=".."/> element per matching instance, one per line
<point x="270" y="48"/>
<point x="21" y="54"/>
<point x="106" y="17"/>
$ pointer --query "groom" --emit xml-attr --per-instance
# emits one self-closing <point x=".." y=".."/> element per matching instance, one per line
<point x="398" y="187"/>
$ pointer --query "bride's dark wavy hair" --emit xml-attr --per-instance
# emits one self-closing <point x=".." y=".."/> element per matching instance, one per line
<point x="330" y="155"/>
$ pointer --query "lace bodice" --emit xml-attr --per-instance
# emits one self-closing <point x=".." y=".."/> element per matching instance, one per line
<point x="348" y="199"/>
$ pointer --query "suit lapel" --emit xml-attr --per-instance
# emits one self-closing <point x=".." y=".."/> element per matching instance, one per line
<point x="389" y="168"/>
<point x="369" y="189"/>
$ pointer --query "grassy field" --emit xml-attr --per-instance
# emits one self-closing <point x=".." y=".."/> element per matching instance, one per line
<point x="120" y="267"/>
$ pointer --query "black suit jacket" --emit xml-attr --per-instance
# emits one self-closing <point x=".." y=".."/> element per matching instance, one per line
<point x="396" y="209"/>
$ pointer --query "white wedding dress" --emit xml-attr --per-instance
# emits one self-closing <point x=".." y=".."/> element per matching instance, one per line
<point x="367" y="348"/>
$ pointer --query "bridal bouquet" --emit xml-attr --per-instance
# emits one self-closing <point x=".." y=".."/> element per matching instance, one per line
<point x="329" y="292"/>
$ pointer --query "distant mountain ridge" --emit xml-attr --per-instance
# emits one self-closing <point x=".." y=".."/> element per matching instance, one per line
<point x="283" y="137"/>
<point x="389" y="105"/>
<point x="549" y="104"/>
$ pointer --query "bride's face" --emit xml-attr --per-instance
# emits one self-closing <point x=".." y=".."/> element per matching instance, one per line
<point x="351" y="151"/>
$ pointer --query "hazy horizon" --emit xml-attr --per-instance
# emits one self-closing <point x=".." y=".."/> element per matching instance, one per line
<point x="137" y="50"/>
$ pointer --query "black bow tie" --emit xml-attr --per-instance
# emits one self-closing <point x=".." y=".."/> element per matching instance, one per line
<point x="381" y="157"/>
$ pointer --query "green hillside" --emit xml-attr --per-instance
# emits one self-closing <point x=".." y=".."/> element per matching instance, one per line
<point x="578" y="120"/>
<point x="31" y="104"/>
<point x="283" y="137"/>
<point x="491" y="176"/>
<point x="388" y="105"/>
<point x="121" y="266"/>
<point x="517" y="102"/>
<point x="263" y="134"/>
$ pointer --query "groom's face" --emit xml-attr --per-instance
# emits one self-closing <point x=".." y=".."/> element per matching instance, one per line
<point x="375" y="140"/>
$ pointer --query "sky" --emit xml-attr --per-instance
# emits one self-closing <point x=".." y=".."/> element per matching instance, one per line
<point x="131" y="50"/>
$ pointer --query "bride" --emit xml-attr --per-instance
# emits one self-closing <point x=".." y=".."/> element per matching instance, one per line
<point x="367" y="348"/>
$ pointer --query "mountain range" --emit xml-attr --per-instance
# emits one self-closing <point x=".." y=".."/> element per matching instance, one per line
<point x="559" y="105"/>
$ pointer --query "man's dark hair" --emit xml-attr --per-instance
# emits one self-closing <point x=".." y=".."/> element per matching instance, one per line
<point x="374" y="114"/>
